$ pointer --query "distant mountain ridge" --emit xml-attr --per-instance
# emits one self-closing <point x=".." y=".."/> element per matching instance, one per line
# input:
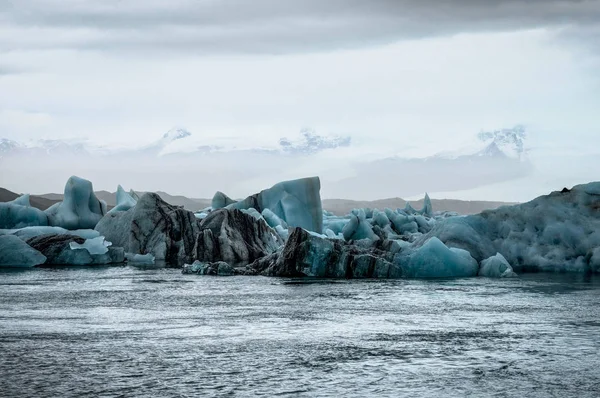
<point x="494" y="157"/>
<point x="344" y="206"/>
<point x="174" y="141"/>
<point x="485" y="159"/>
<point x="36" y="201"/>
<point x="336" y="206"/>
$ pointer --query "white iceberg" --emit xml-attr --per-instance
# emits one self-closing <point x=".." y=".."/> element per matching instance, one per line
<point x="95" y="246"/>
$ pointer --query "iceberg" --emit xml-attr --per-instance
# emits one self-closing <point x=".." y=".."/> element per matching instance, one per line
<point x="116" y="227"/>
<point x="154" y="227"/>
<point x="307" y="254"/>
<point x="358" y="227"/>
<point x="14" y="252"/>
<point x="125" y="201"/>
<point x="234" y="237"/>
<point x="297" y="202"/>
<point x="58" y="250"/>
<point x="219" y="268"/>
<point x="276" y="223"/>
<point x="220" y="200"/>
<point x="14" y="215"/>
<point x="272" y="219"/>
<point x="94" y="246"/>
<point x="80" y="209"/>
<point x="496" y="267"/>
<point x="30" y="232"/>
<point x="556" y="232"/>
<point x="402" y="223"/>
<point x="436" y="260"/>
<point x="427" y="206"/>
<point x="22" y="200"/>
<point x="134" y="195"/>
<point x="283" y="231"/>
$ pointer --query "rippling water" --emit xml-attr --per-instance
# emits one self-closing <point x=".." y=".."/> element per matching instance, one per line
<point x="125" y="331"/>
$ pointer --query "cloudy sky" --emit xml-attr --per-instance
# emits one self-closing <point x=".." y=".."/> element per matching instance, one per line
<point x="402" y="78"/>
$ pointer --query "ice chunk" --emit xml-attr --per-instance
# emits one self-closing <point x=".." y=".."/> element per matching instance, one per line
<point x="84" y="233"/>
<point x="22" y="200"/>
<point x="308" y="254"/>
<point x="94" y="246"/>
<point x="463" y="233"/>
<point x="401" y="223"/>
<point x="14" y="215"/>
<point x="80" y="208"/>
<point x="16" y="253"/>
<point x="272" y="219"/>
<point x="221" y="200"/>
<point x="30" y="232"/>
<point x="427" y="206"/>
<point x="332" y="235"/>
<point x="253" y="212"/>
<point x="235" y="237"/>
<point x="436" y="260"/>
<point x="153" y="226"/>
<point x="408" y="209"/>
<point x="124" y="201"/>
<point x="276" y="223"/>
<point x="219" y="268"/>
<point x="381" y="219"/>
<point x="201" y="215"/>
<point x="358" y="228"/>
<point x="58" y="251"/>
<point x="336" y="225"/>
<point x="116" y="227"/>
<point x="283" y="233"/>
<point x="496" y="267"/>
<point x="140" y="258"/>
<point x="427" y="209"/>
<point x="297" y="202"/>
<point x="134" y="195"/>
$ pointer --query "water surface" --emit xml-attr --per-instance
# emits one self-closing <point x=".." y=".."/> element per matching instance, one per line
<point x="125" y="331"/>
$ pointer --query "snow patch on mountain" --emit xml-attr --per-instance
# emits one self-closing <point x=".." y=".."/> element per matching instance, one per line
<point x="310" y="143"/>
<point x="507" y="143"/>
<point x="7" y="146"/>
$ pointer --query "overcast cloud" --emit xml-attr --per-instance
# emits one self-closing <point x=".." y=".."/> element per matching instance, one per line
<point x="270" y="26"/>
<point x="402" y="78"/>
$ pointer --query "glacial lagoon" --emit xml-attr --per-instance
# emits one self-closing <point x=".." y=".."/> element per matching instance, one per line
<point x="139" y="331"/>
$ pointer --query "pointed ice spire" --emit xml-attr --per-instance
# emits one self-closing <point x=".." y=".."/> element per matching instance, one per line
<point x="427" y="206"/>
<point x="408" y="209"/>
<point x="124" y="200"/>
